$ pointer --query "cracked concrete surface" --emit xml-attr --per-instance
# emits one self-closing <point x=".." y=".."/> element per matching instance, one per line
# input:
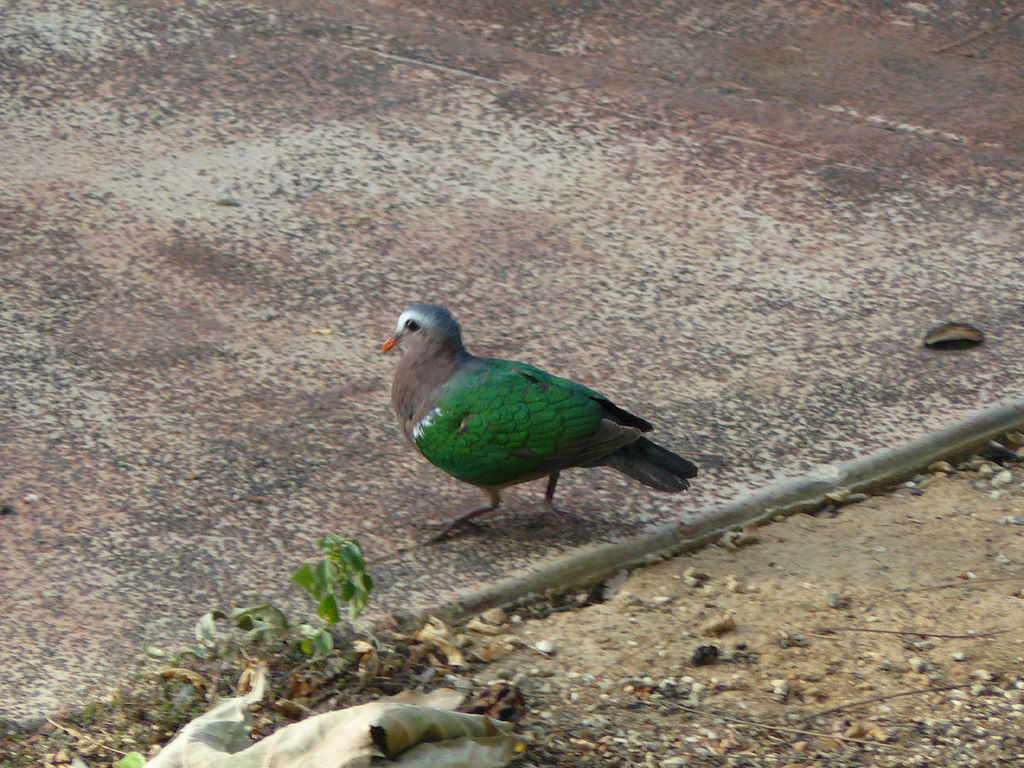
<point x="737" y="220"/>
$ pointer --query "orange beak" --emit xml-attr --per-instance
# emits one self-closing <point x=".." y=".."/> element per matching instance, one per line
<point x="391" y="343"/>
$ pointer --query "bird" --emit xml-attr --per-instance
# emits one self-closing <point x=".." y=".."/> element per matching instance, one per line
<point x="494" y="423"/>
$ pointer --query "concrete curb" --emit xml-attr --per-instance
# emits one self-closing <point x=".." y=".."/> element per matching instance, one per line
<point x="871" y="472"/>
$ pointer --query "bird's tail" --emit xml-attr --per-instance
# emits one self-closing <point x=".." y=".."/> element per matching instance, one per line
<point x="652" y="465"/>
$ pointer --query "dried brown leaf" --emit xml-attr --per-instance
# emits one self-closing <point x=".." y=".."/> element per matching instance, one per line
<point x="953" y="336"/>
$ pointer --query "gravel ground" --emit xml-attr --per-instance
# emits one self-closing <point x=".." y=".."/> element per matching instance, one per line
<point x="882" y="633"/>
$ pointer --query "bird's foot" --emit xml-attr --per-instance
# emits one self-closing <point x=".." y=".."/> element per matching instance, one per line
<point x="444" y="527"/>
<point x="549" y="499"/>
<point x="548" y="512"/>
<point x="551" y="509"/>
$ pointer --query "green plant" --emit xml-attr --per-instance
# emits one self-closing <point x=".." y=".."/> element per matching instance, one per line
<point x="263" y="624"/>
<point x="338" y="577"/>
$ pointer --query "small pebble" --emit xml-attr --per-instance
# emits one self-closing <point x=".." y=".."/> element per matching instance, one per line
<point x="1003" y="478"/>
<point x="731" y="539"/>
<point x="789" y="639"/>
<point x="1011" y="520"/>
<point x="986" y="471"/>
<point x="959" y="656"/>
<point x="718" y="625"/>
<point x="838" y="496"/>
<point x="780" y="688"/>
<point x="836" y="601"/>
<point x="226" y="196"/>
<point x="494" y="616"/>
<point x="695" y="692"/>
<point x="545" y="646"/>
<point x="704" y="654"/>
<point x="918" y="665"/>
<point x="735" y="585"/>
<point x="524" y="683"/>
<point x="693" y="573"/>
<point x="940" y="466"/>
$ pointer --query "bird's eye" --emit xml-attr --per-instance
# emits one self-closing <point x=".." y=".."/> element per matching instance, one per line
<point x="412" y="325"/>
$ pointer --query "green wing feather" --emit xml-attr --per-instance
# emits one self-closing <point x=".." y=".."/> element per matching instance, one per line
<point x="499" y="422"/>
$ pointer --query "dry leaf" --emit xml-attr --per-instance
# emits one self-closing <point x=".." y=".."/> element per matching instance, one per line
<point x="436" y="634"/>
<point x="181" y="673"/>
<point x="476" y="624"/>
<point x="489" y="652"/>
<point x="299" y="687"/>
<point x="953" y="336"/>
<point x="502" y="701"/>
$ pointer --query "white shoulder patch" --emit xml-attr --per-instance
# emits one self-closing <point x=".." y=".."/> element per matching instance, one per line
<point x="424" y="423"/>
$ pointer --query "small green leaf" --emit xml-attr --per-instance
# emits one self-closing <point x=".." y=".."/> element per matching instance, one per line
<point x="257" y="615"/>
<point x="347" y="590"/>
<point x="324" y="642"/>
<point x="353" y="557"/>
<point x="306" y="579"/>
<point x="315" y="640"/>
<point x="319" y="639"/>
<point x="131" y="760"/>
<point x="206" y="629"/>
<point x="355" y="607"/>
<point x="327" y="609"/>
<point x="325" y="575"/>
<point x="199" y="651"/>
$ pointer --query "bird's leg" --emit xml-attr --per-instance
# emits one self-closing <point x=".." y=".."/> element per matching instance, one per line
<point x="445" y="526"/>
<point x="549" y="492"/>
<point x="549" y="498"/>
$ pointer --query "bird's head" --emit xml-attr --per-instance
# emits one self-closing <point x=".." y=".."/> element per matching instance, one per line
<point x="428" y="320"/>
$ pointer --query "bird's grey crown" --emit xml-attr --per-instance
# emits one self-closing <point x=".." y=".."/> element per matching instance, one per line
<point x="434" y="317"/>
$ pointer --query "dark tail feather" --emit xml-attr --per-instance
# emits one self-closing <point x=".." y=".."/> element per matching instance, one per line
<point x="652" y="465"/>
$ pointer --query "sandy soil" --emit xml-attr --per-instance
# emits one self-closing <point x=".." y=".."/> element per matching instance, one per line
<point x="886" y="632"/>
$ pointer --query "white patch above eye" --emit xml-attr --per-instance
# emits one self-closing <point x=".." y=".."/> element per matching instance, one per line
<point x="405" y="317"/>
<point x="424" y="423"/>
